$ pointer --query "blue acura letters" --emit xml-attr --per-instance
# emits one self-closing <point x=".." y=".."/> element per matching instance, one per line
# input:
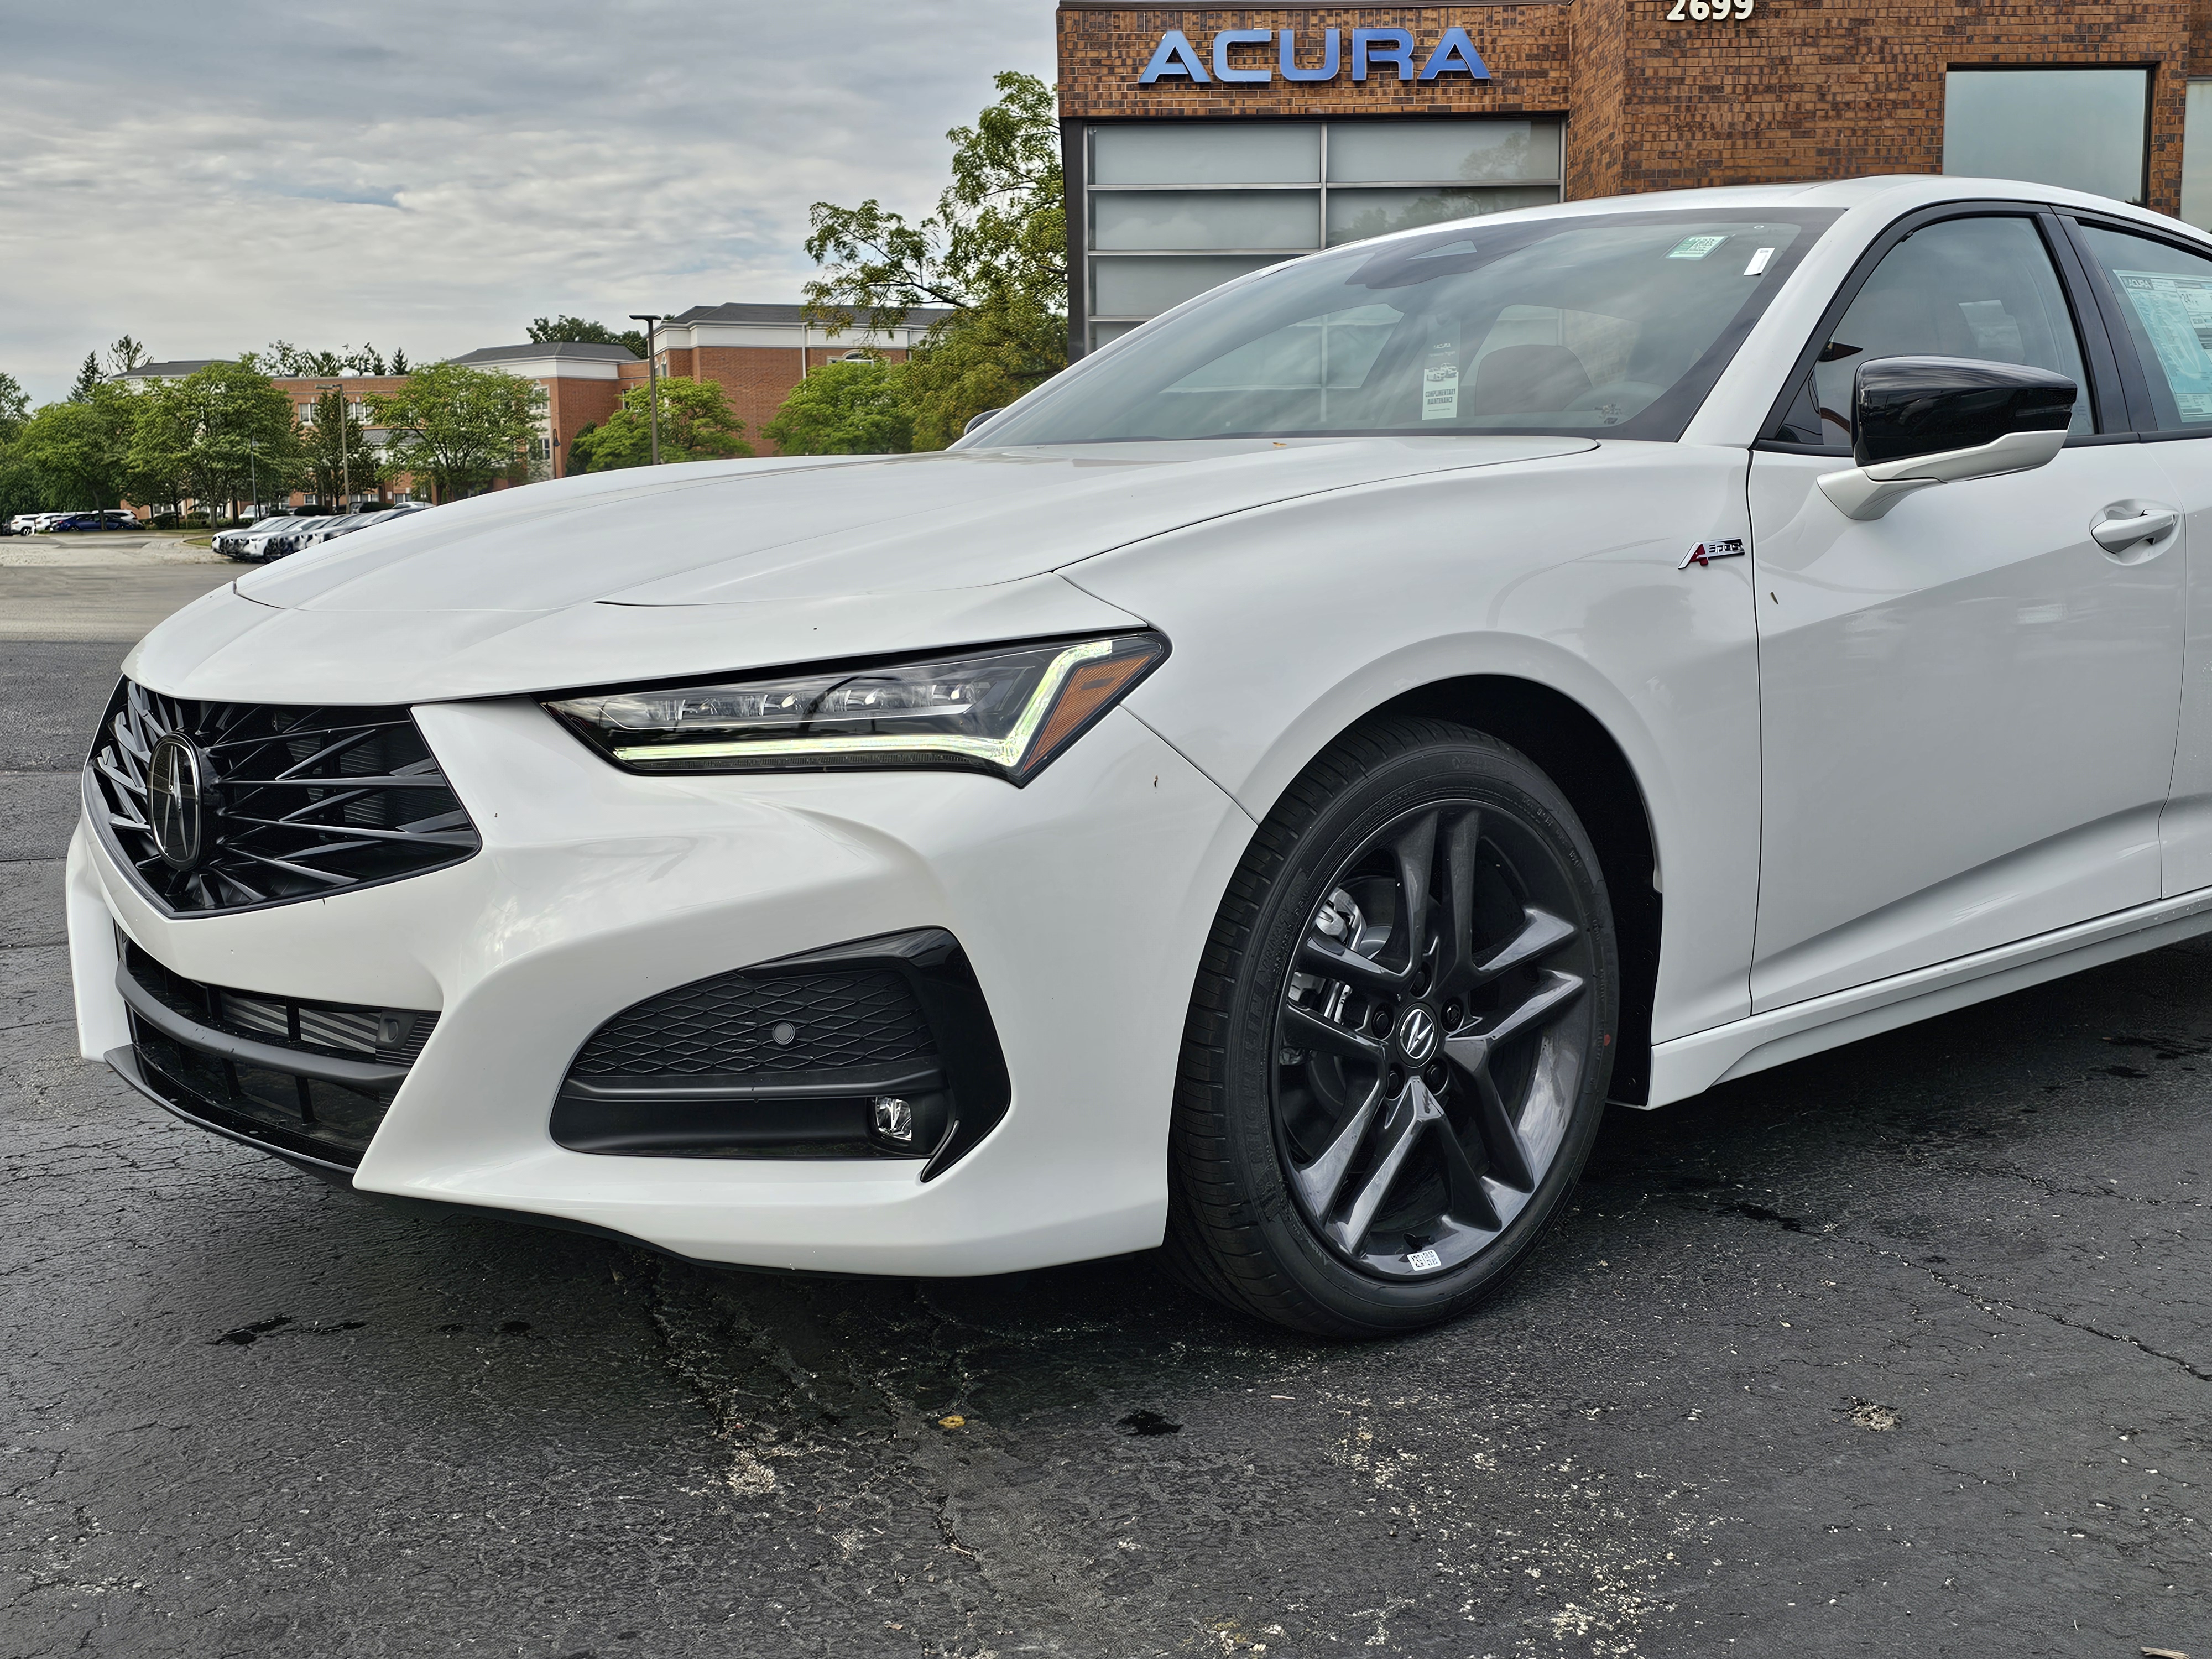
<point x="1176" y="58"/>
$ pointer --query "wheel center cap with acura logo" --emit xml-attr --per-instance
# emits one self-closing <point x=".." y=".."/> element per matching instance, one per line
<point x="175" y="786"/>
<point x="1418" y="1032"/>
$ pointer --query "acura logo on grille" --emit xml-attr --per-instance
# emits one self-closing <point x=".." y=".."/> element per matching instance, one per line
<point x="1417" y="1035"/>
<point x="173" y="801"/>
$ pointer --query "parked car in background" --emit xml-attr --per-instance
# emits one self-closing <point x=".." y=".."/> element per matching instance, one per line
<point x="310" y="532"/>
<point x="248" y="543"/>
<point x="112" y="518"/>
<point x="23" y="524"/>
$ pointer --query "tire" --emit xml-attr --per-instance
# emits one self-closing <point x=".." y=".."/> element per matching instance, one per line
<point x="1336" y="1167"/>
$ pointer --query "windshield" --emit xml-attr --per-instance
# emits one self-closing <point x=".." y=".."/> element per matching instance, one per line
<point x="1617" y="323"/>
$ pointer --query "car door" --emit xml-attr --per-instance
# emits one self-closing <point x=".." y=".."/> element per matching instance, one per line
<point x="2156" y="296"/>
<point x="1968" y="706"/>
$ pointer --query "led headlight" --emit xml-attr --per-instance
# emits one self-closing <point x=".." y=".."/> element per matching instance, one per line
<point x="1007" y="710"/>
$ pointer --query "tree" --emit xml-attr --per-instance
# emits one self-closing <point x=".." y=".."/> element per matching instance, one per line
<point x="697" y="424"/>
<point x="994" y="253"/>
<point x="460" y="427"/>
<point x="399" y="361"/>
<point x="15" y="409"/>
<point x="88" y="379"/>
<point x="337" y="451"/>
<point x="159" y="461"/>
<point x="575" y="331"/>
<point x="78" y="450"/>
<point x="221" y="436"/>
<point x="845" y="408"/>
<point x="126" y="354"/>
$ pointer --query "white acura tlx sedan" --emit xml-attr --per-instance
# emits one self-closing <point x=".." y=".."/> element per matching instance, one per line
<point x="1263" y="792"/>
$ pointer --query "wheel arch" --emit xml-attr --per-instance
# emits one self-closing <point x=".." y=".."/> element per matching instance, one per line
<point x="1583" y="754"/>
<point x="1576" y="751"/>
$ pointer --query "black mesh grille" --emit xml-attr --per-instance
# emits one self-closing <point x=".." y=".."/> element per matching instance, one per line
<point x="728" y="1026"/>
<point x="302" y="801"/>
<point x="312" y="1116"/>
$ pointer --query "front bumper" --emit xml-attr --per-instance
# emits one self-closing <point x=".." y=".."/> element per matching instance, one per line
<point x="1082" y="902"/>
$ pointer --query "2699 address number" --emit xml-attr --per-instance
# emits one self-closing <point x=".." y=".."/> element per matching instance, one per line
<point x="1710" y="11"/>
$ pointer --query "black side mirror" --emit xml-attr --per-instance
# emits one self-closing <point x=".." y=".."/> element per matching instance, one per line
<point x="1903" y="407"/>
<point x="1920" y="422"/>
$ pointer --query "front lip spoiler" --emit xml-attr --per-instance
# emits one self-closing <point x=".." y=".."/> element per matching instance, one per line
<point x="123" y="1062"/>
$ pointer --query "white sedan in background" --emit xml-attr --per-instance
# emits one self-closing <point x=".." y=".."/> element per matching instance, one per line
<point x="1264" y="793"/>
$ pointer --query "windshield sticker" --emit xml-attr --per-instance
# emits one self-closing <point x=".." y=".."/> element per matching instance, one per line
<point x="2177" y="314"/>
<point x="1758" y="262"/>
<point x="1696" y="247"/>
<point x="1440" y="375"/>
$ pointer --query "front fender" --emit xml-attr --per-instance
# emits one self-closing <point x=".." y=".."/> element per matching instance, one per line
<point x="1293" y="623"/>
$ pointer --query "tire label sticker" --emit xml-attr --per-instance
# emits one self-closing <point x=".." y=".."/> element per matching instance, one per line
<point x="1424" y="1261"/>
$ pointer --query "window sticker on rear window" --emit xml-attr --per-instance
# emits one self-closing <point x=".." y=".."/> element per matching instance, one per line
<point x="1696" y="247"/>
<point x="2177" y="314"/>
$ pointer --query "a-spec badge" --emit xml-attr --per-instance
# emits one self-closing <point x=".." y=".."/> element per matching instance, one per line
<point x="1706" y="552"/>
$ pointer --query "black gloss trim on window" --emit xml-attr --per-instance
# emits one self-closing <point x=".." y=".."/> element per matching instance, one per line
<point x="2106" y="409"/>
<point x="696" y="1079"/>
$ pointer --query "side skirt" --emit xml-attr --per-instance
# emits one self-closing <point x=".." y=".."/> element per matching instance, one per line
<point x="1688" y="1066"/>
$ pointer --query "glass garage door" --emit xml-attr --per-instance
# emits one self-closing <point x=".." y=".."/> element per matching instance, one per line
<point x="1174" y="208"/>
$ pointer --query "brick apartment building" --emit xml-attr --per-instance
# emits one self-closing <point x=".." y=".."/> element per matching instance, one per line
<point x="757" y="353"/>
<point x="1203" y="142"/>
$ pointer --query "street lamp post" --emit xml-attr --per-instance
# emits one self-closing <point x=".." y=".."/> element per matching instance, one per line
<point x="652" y="377"/>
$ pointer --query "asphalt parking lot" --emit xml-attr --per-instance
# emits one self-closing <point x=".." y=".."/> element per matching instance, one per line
<point x="1903" y="1350"/>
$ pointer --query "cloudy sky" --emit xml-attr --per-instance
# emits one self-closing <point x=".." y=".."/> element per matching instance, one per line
<point x="210" y="175"/>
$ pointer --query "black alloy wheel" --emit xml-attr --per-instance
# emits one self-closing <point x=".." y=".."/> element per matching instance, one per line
<point x="1399" y="1047"/>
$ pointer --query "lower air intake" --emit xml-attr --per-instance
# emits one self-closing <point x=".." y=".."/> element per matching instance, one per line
<point x="883" y="1048"/>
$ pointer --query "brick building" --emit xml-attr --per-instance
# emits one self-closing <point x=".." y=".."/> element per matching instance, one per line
<point x="758" y="353"/>
<point x="1202" y="142"/>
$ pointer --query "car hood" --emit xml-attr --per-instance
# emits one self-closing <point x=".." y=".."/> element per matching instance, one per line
<point x="714" y="566"/>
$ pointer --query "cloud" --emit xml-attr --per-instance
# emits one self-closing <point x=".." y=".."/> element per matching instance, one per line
<point x="432" y="175"/>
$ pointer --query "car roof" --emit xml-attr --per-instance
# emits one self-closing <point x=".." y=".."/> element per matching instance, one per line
<point x="1884" y="195"/>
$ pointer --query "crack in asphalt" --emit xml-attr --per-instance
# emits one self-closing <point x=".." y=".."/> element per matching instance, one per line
<point x="1987" y="1303"/>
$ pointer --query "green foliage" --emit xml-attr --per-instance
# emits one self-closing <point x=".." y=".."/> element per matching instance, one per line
<point x="77" y="451"/>
<point x="15" y="409"/>
<point x="697" y="424"/>
<point x="125" y="354"/>
<point x="336" y="450"/>
<point x="575" y="331"/>
<point x="221" y="435"/>
<point x="994" y="253"/>
<point x="88" y="379"/>
<point x="845" y="408"/>
<point x="984" y="357"/>
<point x="460" y="427"/>
<point x="19" y="486"/>
<point x="292" y="362"/>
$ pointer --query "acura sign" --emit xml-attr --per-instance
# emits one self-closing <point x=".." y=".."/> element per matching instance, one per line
<point x="1175" y="59"/>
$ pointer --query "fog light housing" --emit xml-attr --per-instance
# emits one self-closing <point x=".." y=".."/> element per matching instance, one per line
<point x="892" y="1119"/>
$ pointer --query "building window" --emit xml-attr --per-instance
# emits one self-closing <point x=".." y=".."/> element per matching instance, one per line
<point x="2197" y="157"/>
<point x="1174" y="208"/>
<point x="2080" y="129"/>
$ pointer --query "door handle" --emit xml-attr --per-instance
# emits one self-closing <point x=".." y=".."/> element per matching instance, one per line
<point x="2117" y="534"/>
